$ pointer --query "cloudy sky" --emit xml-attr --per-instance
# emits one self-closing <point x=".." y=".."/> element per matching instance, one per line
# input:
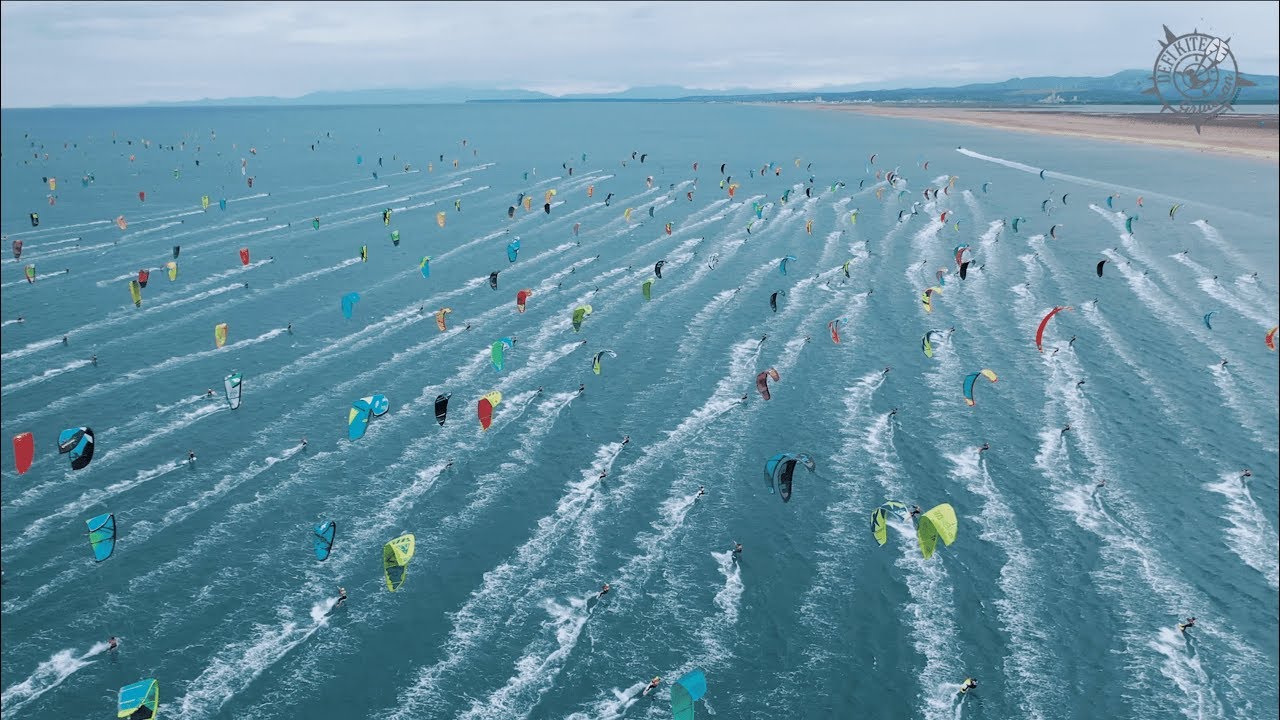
<point x="109" y="53"/>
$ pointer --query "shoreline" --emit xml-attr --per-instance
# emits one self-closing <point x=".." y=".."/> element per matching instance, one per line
<point x="1231" y="134"/>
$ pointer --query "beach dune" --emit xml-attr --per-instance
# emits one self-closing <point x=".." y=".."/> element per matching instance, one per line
<point x="1245" y="134"/>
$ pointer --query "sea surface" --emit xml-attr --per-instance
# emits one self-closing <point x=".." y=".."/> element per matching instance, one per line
<point x="1060" y="594"/>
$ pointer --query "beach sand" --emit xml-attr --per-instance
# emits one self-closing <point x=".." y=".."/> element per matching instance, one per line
<point x="1254" y="136"/>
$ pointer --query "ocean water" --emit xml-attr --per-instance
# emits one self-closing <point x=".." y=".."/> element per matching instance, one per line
<point x="1059" y="596"/>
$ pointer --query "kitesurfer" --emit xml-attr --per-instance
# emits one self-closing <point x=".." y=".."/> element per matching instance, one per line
<point x="603" y="474"/>
<point x="94" y="360"/>
<point x="246" y="284"/>
<point x="1065" y="428"/>
<point x="1224" y="362"/>
<point x="1071" y="341"/>
<point x="582" y="387"/>
<point x="539" y="389"/>
<point x="584" y="342"/>
<point x="969" y="684"/>
<point x="652" y="684"/>
<point x="289" y="329"/>
<point x="737" y="549"/>
<point x="744" y="398"/>
<point x="342" y="597"/>
<point x="604" y="590"/>
<point x="762" y="339"/>
<point x="1101" y="483"/>
<point x="20" y="319"/>
<point x="951" y="331"/>
<point x="886" y="370"/>
<point x="1247" y="473"/>
<point x="893" y="412"/>
<point x="1079" y="383"/>
<point x="191" y="456"/>
<point x="627" y="438"/>
<point x="808" y="339"/>
<point x="208" y="393"/>
<point x="304" y="443"/>
<point x="112" y="643"/>
<point x="64" y="342"/>
<point x="1182" y="626"/>
<point x="985" y="447"/>
<point x="915" y="510"/>
<point x="701" y="491"/>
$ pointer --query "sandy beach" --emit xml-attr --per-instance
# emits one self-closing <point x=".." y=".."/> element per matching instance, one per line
<point x="1254" y="136"/>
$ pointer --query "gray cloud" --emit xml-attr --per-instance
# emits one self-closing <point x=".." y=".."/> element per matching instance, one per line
<point x="122" y="53"/>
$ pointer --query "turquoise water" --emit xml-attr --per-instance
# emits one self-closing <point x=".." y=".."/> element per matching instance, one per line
<point x="1060" y="597"/>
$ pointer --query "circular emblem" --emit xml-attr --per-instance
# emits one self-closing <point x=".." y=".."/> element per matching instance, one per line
<point x="1196" y="75"/>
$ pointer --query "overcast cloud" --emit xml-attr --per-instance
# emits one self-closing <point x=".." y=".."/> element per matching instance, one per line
<point x="126" y="53"/>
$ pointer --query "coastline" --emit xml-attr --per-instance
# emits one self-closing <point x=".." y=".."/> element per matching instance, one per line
<point x="1231" y="134"/>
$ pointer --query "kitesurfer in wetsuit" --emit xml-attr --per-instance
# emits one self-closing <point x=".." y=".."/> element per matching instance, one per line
<point x="582" y="387"/>
<point x="342" y="597"/>
<point x="1191" y="622"/>
<point x="969" y="684"/>
<point x="304" y="443"/>
<point x="112" y="643"/>
<point x="652" y="684"/>
<point x="886" y="370"/>
<point x="1065" y="428"/>
<point x="1079" y="383"/>
<point x="208" y="393"/>
<point x="94" y="360"/>
<point x="626" y="439"/>
<point x="743" y="398"/>
<point x="1247" y="473"/>
<point x="985" y="447"/>
<point x="603" y="474"/>
<point x="289" y="328"/>
<point x="893" y="412"/>
<point x="539" y="389"/>
<point x="915" y="510"/>
<point x="762" y="339"/>
<point x="64" y="342"/>
<point x="191" y="456"/>
<point x="1224" y="362"/>
<point x="604" y="590"/>
<point x="701" y="491"/>
<point x="20" y="320"/>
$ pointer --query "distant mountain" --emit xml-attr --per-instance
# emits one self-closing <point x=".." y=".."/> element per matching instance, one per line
<point x="1122" y="88"/>
<point x="383" y="96"/>
<point x="657" y="92"/>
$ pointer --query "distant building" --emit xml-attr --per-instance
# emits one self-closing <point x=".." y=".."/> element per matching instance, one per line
<point x="1052" y="99"/>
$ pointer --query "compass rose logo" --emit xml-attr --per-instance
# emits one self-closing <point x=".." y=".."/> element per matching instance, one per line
<point x="1196" y="75"/>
